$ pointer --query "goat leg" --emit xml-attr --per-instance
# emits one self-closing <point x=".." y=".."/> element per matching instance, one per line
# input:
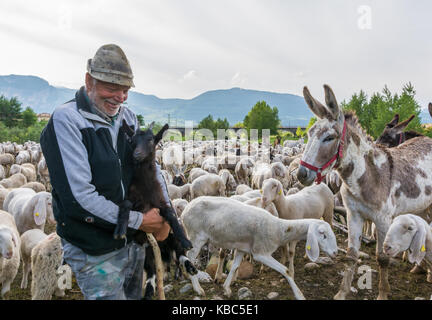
<point x="159" y="266"/>
<point x="170" y="216"/>
<point x="122" y="220"/>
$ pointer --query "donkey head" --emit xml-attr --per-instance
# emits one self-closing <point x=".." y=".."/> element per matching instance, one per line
<point x="143" y="141"/>
<point x="324" y="137"/>
<point x="391" y="136"/>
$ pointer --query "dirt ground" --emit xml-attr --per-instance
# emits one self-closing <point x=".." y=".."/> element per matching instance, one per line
<point x="318" y="284"/>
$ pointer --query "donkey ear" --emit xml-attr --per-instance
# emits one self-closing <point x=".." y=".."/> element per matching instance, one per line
<point x="401" y="126"/>
<point x="430" y="108"/>
<point x="417" y="247"/>
<point x="127" y="129"/>
<point x="331" y="102"/>
<point x="159" y="135"/>
<point x="312" y="247"/>
<point x="316" y="107"/>
<point x="394" y="121"/>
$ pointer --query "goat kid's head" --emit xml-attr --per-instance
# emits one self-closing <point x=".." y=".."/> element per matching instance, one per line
<point x="391" y="136"/>
<point x="320" y="236"/>
<point x="143" y="141"/>
<point x="324" y="137"/>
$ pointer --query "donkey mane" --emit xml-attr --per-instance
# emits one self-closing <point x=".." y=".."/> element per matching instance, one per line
<point x="352" y="120"/>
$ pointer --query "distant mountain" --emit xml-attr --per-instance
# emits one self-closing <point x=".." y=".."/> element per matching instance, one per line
<point x="233" y="103"/>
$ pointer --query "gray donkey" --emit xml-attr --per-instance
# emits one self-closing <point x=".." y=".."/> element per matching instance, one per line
<point x="379" y="183"/>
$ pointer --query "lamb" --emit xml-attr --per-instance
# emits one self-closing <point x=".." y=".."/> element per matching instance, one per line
<point x="27" y="169"/>
<point x="175" y="192"/>
<point x="7" y="159"/>
<point x="257" y="202"/>
<point x="228" y="179"/>
<point x="311" y="202"/>
<point x="10" y="251"/>
<point x="46" y="258"/>
<point x="23" y="156"/>
<point x="2" y="172"/>
<point x="208" y="185"/>
<point x="243" y="170"/>
<point x="14" y="181"/>
<point x="145" y="193"/>
<point x="195" y="173"/>
<point x="29" y="240"/>
<point x="31" y="210"/>
<point x="409" y="231"/>
<point x="230" y="224"/>
<point x="36" y="186"/>
<point x="179" y="205"/>
<point x="242" y="188"/>
<point x="261" y="172"/>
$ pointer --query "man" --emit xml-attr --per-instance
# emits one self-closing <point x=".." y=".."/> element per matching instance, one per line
<point x="90" y="165"/>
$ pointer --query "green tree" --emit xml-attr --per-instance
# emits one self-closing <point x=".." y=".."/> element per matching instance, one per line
<point x="29" y="117"/>
<point x="140" y="119"/>
<point x="262" y="116"/>
<point x="10" y="111"/>
<point x="209" y="123"/>
<point x="374" y="114"/>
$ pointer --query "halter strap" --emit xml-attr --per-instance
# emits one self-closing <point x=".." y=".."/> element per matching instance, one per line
<point x="401" y="137"/>
<point x="337" y="156"/>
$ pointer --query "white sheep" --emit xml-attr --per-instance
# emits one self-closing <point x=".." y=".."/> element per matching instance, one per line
<point x="261" y="172"/>
<point x="208" y="185"/>
<point x="242" y="188"/>
<point x="36" y="186"/>
<point x="7" y="159"/>
<point x="23" y="156"/>
<point x="179" y="205"/>
<point x="27" y="169"/>
<point x="46" y="258"/>
<point x="227" y="177"/>
<point x="230" y="224"/>
<point x="410" y="232"/>
<point x="243" y="170"/>
<point x="29" y="240"/>
<point x="10" y="251"/>
<point x="176" y="192"/>
<point x="311" y="202"/>
<point x="195" y="173"/>
<point x="31" y="210"/>
<point x="14" y="181"/>
<point x="257" y="202"/>
<point x="2" y="172"/>
<point x="42" y="173"/>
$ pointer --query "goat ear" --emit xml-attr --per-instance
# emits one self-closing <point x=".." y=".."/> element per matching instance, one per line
<point x="312" y="247"/>
<point x="40" y="211"/>
<point x="417" y="247"/>
<point x="159" y="135"/>
<point x="430" y="108"/>
<point x="150" y="127"/>
<point x="14" y="239"/>
<point x="127" y="129"/>
<point x="394" y="121"/>
<point x="316" y="107"/>
<point x="401" y="126"/>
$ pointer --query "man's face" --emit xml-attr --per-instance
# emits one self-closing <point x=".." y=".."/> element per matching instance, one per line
<point x="106" y="96"/>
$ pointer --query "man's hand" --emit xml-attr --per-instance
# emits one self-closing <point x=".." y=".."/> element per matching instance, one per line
<point x="153" y="223"/>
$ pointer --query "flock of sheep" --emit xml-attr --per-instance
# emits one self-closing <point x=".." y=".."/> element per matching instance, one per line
<point x="229" y="196"/>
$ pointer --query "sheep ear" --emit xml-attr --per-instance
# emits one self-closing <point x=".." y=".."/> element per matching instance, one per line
<point x="40" y="211"/>
<point x="312" y="248"/>
<point x="14" y="239"/>
<point x="417" y="247"/>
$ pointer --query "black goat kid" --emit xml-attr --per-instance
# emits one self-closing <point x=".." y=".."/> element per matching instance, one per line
<point x="145" y="193"/>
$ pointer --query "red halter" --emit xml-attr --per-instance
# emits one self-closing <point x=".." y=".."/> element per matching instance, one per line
<point x="334" y="158"/>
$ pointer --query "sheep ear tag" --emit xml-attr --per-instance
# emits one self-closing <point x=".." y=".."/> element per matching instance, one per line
<point x="423" y="249"/>
<point x="280" y="192"/>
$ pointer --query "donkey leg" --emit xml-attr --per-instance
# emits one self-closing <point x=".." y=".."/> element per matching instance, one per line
<point x="383" y="262"/>
<point x="355" y="227"/>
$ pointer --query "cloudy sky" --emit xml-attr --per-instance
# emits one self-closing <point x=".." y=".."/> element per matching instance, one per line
<point x="181" y="48"/>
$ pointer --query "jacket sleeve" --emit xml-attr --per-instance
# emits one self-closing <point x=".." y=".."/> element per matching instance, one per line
<point x="163" y="185"/>
<point x="77" y="168"/>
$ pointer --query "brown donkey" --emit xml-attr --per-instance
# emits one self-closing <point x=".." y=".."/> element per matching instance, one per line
<point x="379" y="183"/>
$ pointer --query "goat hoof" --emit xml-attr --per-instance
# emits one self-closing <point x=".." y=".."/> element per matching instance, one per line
<point x="417" y="270"/>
